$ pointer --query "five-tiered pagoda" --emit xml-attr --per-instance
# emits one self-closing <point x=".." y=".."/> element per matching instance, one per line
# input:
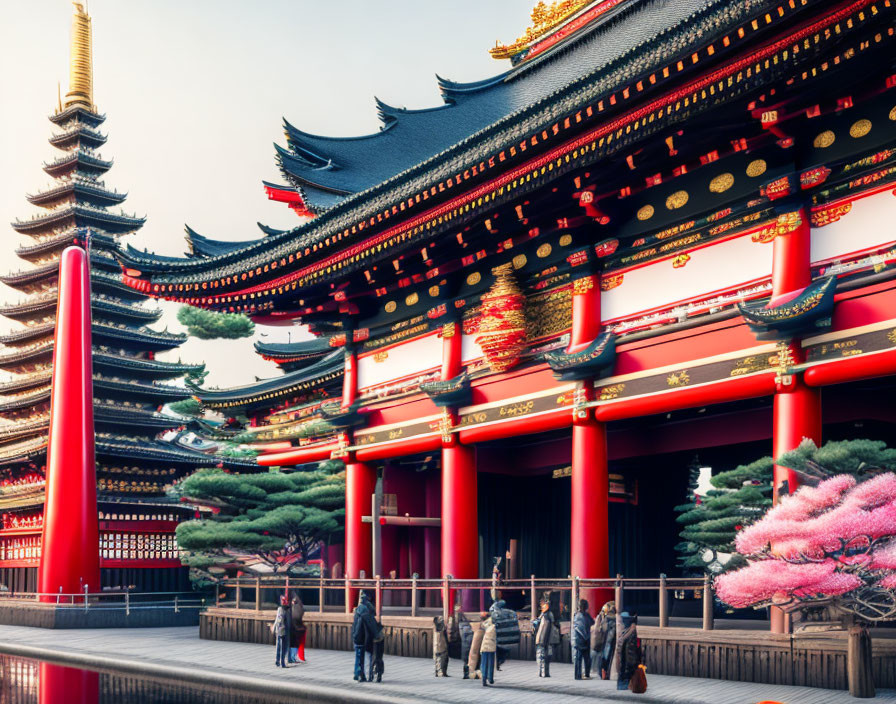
<point x="137" y="520"/>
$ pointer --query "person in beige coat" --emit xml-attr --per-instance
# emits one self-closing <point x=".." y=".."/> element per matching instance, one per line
<point x="487" y="650"/>
<point x="473" y="660"/>
<point x="440" y="646"/>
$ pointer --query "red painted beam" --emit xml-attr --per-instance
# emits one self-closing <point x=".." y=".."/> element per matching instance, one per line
<point x="70" y="544"/>
<point x="300" y="455"/>
<point x="554" y="420"/>
<point x="411" y="446"/>
<point x="865" y="366"/>
<point x="714" y="392"/>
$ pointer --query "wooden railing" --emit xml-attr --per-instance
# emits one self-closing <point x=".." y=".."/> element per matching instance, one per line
<point x="447" y="589"/>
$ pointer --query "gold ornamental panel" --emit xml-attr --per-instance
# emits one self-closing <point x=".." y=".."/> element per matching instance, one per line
<point x="677" y="200"/>
<point x="721" y="183"/>
<point x="757" y="167"/>
<point x="860" y="128"/>
<point x="824" y="140"/>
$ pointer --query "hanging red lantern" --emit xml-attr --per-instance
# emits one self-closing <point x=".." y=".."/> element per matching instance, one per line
<point x="502" y="328"/>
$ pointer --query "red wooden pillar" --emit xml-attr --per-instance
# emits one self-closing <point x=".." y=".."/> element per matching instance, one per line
<point x="797" y="407"/>
<point x="70" y="558"/>
<point x="460" y="525"/>
<point x="589" y="522"/>
<point x="360" y="483"/>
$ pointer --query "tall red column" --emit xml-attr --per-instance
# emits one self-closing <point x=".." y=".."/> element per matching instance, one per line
<point x="360" y="483"/>
<point x="70" y="558"/>
<point x="460" y="527"/>
<point x="589" y="517"/>
<point x="460" y="523"/>
<point x="797" y="408"/>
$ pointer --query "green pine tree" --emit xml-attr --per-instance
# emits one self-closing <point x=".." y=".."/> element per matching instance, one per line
<point x="738" y="498"/>
<point x="276" y="518"/>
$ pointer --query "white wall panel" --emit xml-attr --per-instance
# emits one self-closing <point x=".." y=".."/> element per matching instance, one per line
<point x="470" y="349"/>
<point x="871" y="222"/>
<point x="720" y="266"/>
<point x="407" y="359"/>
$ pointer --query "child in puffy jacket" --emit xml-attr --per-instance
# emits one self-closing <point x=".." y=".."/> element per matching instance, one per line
<point x="440" y="646"/>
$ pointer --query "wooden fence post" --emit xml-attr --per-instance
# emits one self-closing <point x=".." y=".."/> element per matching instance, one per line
<point x="258" y="593"/>
<point x="414" y="595"/>
<point x="321" y="596"/>
<point x="534" y="607"/>
<point x="217" y="594"/>
<point x="239" y="593"/>
<point x="446" y="598"/>
<point x="707" y="603"/>
<point x="859" y="675"/>
<point x="378" y="590"/>
<point x="664" y="603"/>
<point x="619" y="594"/>
<point x="348" y="594"/>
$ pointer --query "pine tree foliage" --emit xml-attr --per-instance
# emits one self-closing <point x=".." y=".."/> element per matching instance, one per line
<point x="277" y="519"/>
<point x="738" y="497"/>
<point x="209" y="325"/>
<point x="188" y="407"/>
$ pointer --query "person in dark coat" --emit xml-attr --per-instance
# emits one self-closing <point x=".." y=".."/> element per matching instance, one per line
<point x="297" y="630"/>
<point x="377" y="648"/>
<point x="280" y="629"/>
<point x="544" y="626"/>
<point x="603" y="639"/>
<point x="460" y="634"/>
<point x="362" y="634"/>
<point x="581" y="640"/>
<point x="507" y="628"/>
<point x="628" y="648"/>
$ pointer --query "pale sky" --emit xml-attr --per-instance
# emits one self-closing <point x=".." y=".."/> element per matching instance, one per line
<point x="194" y="92"/>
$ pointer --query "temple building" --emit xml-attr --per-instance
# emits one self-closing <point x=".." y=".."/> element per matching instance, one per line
<point x="133" y="468"/>
<point x="663" y="230"/>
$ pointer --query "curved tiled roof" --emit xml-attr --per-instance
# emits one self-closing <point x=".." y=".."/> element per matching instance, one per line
<point x="637" y="54"/>
<point x="322" y="371"/>
<point x="409" y="137"/>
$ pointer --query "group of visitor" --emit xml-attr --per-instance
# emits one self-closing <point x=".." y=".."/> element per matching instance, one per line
<point x="610" y="643"/>
<point x="289" y="630"/>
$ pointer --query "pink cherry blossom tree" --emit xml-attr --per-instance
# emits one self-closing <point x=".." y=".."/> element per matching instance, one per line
<point x="830" y="544"/>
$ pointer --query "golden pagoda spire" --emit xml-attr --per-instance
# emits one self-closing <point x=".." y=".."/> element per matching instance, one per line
<point x="80" y="82"/>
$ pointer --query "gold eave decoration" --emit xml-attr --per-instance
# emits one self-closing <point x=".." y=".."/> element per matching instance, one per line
<point x="545" y="18"/>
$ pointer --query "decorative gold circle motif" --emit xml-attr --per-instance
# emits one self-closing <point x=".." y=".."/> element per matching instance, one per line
<point x="893" y="113"/>
<point x="756" y="168"/>
<point x="391" y="306"/>
<point x="860" y="128"/>
<point x="824" y="140"/>
<point x="543" y="251"/>
<point x="412" y="299"/>
<point x="645" y="213"/>
<point x="433" y="291"/>
<point x="677" y="200"/>
<point x="721" y="183"/>
<point x="519" y="261"/>
<point x="474" y="278"/>
<point x="565" y="240"/>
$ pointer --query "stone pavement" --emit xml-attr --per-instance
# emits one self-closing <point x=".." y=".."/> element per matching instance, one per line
<point x="179" y="653"/>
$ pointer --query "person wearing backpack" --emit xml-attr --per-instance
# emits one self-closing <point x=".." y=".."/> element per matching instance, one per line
<point x="581" y="640"/>
<point x="544" y="635"/>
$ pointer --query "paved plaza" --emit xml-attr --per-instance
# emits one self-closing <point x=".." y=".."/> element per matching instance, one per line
<point x="178" y="653"/>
